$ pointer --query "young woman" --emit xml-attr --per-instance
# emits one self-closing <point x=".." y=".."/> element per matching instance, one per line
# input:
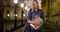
<point x="32" y="13"/>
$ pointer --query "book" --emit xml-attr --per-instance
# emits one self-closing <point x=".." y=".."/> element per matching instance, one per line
<point x="37" y="20"/>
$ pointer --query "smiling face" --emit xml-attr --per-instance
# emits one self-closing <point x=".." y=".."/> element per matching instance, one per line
<point x="35" y="5"/>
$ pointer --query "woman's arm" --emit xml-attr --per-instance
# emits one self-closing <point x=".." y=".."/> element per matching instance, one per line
<point x="31" y="22"/>
<point x="42" y="17"/>
<point x="29" y="17"/>
<point x="41" y="23"/>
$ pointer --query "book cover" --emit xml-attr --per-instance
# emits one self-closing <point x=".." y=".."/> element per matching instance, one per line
<point x="37" y="20"/>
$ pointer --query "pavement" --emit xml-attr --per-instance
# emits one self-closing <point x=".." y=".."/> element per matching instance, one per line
<point x="47" y="27"/>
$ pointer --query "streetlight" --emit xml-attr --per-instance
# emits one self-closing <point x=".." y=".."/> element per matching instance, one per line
<point x="26" y="8"/>
<point x="24" y="15"/>
<point x="16" y="15"/>
<point x="22" y="6"/>
<point x="15" y="1"/>
<point x="8" y="15"/>
<point x="15" y="24"/>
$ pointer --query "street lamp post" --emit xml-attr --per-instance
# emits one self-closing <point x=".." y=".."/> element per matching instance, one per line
<point x="8" y="14"/>
<point x="15" y="23"/>
<point x="22" y="6"/>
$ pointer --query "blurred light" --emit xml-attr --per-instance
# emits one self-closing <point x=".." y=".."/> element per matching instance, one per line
<point x="39" y="2"/>
<point x="26" y="8"/>
<point x="15" y="15"/>
<point x="15" y="1"/>
<point x="8" y="15"/>
<point x="22" y="5"/>
<point x="24" y="15"/>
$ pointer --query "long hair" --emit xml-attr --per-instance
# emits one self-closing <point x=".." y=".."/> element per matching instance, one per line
<point x="32" y="5"/>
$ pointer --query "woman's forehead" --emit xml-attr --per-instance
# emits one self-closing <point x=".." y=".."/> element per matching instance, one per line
<point x="35" y="2"/>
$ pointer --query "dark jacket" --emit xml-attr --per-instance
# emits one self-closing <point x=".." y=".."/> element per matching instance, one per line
<point x="31" y="14"/>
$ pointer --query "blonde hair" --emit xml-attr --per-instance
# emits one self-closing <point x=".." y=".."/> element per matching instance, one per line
<point x="32" y="5"/>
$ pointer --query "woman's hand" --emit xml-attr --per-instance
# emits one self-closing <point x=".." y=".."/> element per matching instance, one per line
<point x="36" y="28"/>
<point x="29" y="21"/>
<point x="38" y="25"/>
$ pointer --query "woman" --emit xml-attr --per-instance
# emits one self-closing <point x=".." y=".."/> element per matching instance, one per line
<point x="32" y="13"/>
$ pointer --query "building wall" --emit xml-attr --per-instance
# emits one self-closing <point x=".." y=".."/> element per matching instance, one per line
<point x="52" y="9"/>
